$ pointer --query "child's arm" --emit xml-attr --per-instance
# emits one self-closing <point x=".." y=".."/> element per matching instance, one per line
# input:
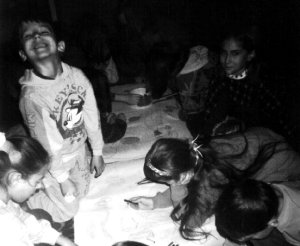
<point x="93" y="126"/>
<point x="39" y="231"/>
<point x="160" y="200"/>
<point x="112" y="72"/>
<point x="131" y="99"/>
<point x="68" y="188"/>
<point x="98" y="165"/>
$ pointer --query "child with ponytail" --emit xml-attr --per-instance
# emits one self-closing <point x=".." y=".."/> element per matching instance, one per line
<point x="173" y="162"/>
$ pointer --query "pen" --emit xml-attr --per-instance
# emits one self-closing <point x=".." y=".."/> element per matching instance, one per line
<point x="144" y="181"/>
<point x="133" y="203"/>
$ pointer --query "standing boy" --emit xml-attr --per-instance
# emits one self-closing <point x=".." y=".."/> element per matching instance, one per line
<point x="58" y="105"/>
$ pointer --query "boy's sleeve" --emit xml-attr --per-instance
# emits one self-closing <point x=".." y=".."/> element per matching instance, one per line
<point x="43" y="128"/>
<point x="92" y="120"/>
<point x="40" y="231"/>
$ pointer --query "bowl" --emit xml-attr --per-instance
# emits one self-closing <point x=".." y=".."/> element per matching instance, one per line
<point x="146" y="99"/>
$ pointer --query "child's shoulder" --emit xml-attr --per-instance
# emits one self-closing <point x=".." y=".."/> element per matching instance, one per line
<point x="75" y="73"/>
<point x="71" y="69"/>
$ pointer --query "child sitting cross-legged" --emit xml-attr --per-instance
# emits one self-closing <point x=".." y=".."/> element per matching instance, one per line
<point x="23" y="165"/>
<point x="253" y="209"/>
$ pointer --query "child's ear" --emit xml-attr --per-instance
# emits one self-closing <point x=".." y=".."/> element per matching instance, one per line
<point x="14" y="177"/>
<point x="186" y="177"/>
<point x="61" y="46"/>
<point x="273" y="222"/>
<point x="251" y="56"/>
<point x="22" y="55"/>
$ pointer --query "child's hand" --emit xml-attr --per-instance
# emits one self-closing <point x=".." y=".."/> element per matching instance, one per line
<point x="98" y="164"/>
<point x="64" y="241"/>
<point x="68" y="188"/>
<point x="144" y="203"/>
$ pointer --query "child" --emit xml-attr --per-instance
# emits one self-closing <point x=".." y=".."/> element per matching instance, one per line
<point x="23" y="165"/>
<point x="58" y="105"/>
<point x="164" y="164"/>
<point x="186" y="71"/>
<point x="100" y="65"/>
<point x="113" y="126"/>
<point x="252" y="209"/>
<point x="243" y="89"/>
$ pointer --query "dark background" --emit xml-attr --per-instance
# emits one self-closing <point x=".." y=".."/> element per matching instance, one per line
<point x="203" y="20"/>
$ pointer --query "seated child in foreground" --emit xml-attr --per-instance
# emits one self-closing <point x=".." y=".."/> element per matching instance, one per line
<point x="252" y="209"/>
<point x="23" y="165"/>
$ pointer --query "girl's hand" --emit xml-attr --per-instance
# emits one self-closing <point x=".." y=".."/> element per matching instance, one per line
<point x="144" y="203"/>
<point x="68" y="187"/>
<point x="64" y="241"/>
<point x="98" y="164"/>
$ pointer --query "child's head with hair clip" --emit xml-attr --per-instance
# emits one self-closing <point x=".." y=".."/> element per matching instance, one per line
<point x="171" y="160"/>
<point x="247" y="210"/>
<point x="23" y="165"/>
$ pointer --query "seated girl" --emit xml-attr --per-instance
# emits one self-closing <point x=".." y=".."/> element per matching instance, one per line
<point x="243" y="88"/>
<point x="23" y="164"/>
<point x="253" y="209"/>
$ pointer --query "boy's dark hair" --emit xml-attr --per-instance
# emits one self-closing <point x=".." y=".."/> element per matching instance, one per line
<point x="245" y="208"/>
<point x="52" y="26"/>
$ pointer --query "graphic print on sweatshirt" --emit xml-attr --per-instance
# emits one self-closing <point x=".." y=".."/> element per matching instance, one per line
<point x="68" y="112"/>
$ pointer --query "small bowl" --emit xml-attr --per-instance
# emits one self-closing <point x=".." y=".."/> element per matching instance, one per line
<point x="146" y="97"/>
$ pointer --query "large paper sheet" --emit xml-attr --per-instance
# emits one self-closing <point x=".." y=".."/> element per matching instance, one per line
<point x="144" y="126"/>
<point x="104" y="218"/>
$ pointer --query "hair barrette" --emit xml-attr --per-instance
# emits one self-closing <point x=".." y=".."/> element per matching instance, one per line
<point x="154" y="169"/>
<point x="196" y="147"/>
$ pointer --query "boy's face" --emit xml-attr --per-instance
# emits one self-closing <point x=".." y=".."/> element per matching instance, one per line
<point x="38" y="42"/>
